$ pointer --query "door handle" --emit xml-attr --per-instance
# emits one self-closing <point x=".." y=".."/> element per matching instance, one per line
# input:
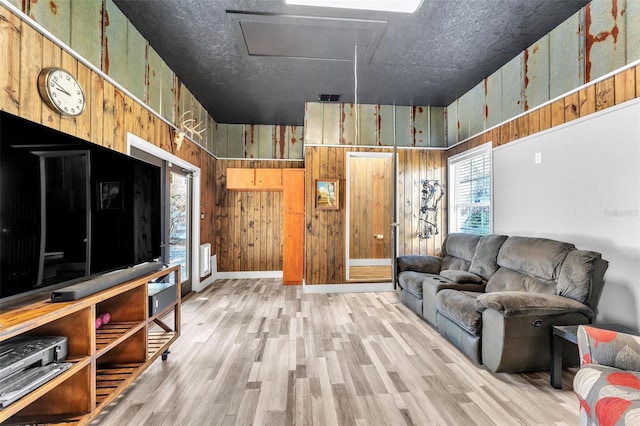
<point x="378" y="236"/>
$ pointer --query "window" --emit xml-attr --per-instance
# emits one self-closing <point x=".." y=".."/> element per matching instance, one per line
<point x="470" y="191"/>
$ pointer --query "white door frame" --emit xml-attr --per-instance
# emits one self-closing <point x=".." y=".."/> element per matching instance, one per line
<point x="141" y="144"/>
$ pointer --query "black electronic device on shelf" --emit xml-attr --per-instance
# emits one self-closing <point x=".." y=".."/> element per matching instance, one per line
<point x="28" y="362"/>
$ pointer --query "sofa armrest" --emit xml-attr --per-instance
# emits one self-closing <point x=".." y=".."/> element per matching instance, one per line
<point x="604" y="347"/>
<point x="428" y="264"/>
<point x="522" y="303"/>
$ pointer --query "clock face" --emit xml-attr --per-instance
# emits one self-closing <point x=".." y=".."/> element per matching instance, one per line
<point x="61" y="91"/>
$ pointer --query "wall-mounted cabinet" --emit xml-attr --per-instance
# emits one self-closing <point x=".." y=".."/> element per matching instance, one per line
<point x="254" y="179"/>
<point x="105" y="361"/>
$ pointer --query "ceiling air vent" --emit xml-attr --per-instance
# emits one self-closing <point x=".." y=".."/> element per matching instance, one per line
<point x="329" y="98"/>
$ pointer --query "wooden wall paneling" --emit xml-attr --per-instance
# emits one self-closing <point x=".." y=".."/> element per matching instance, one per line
<point x="313" y="224"/>
<point x="109" y="116"/>
<point x="86" y="30"/>
<point x="68" y="124"/>
<point x="430" y="173"/>
<point x="338" y="267"/>
<point x="624" y="85"/>
<point x="605" y="94"/>
<point x="637" y="81"/>
<point x="83" y="121"/>
<point x="136" y="59"/>
<point x="119" y="132"/>
<point x="51" y="56"/>
<point x="326" y="219"/>
<point x="130" y="122"/>
<point x="571" y="107"/>
<point x="534" y="121"/>
<point x="10" y="48"/>
<point x="400" y="197"/>
<point x="96" y="100"/>
<point x="545" y="117"/>
<point x="31" y="64"/>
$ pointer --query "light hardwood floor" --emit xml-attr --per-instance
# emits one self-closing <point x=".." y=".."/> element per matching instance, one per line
<point x="255" y="352"/>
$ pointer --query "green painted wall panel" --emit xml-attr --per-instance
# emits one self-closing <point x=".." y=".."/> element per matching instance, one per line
<point x="403" y="125"/>
<point x="566" y="56"/>
<point x="296" y="142"/>
<point x="367" y="119"/>
<point x="251" y="141"/>
<point x="313" y="122"/>
<point x="136" y="62"/>
<point x="114" y="55"/>
<point x="476" y="105"/>
<point x="166" y="95"/>
<point x="493" y="100"/>
<point x="605" y="37"/>
<point x="221" y="140"/>
<point x="154" y="78"/>
<point x="265" y="141"/>
<point x="452" y="123"/>
<point x="465" y="110"/>
<point x="633" y="31"/>
<point x="331" y="123"/>
<point x="512" y="87"/>
<point x="235" y="140"/>
<point x="86" y="29"/>
<point x="54" y="15"/>
<point x="420" y="126"/>
<point x="536" y="78"/>
<point x="386" y="131"/>
<point x="436" y="127"/>
<point x="348" y="125"/>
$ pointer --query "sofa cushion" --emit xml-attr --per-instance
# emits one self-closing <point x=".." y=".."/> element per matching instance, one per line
<point x="485" y="258"/>
<point x="520" y="303"/>
<point x="461" y="277"/>
<point x="458" y="250"/>
<point x="429" y="264"/>
<point x="411" y="281"/>
<point x="508" y="280"/>
<point x="574" y="281"/>
<point x="539" y="257"/>
<point x="459" y="307"/>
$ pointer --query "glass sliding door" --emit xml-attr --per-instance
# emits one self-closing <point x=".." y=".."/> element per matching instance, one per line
<point x="179" y="222"/>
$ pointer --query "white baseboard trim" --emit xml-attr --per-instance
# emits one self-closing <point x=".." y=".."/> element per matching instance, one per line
<point x="204" y="283"/>
<point x="246" y="274"/>
<point x="347" y="288"/>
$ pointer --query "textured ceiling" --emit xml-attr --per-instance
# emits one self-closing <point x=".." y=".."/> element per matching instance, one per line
<point x="430" y="57"/>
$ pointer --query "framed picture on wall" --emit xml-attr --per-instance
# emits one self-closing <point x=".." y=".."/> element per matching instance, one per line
<point x="110" y="195"/>
<point x="327" y="194"/>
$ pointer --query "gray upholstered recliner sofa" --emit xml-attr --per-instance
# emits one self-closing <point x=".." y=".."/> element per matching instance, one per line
<point x="496" y="297"/>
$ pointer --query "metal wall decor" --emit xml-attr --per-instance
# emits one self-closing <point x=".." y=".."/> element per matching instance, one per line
<point x="432" y="193"/>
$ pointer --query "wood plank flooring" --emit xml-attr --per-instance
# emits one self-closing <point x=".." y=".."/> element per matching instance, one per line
<point x="255" y="352"/>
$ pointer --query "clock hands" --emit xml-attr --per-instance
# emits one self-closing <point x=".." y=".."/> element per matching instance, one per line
<point x="60" y="88"/>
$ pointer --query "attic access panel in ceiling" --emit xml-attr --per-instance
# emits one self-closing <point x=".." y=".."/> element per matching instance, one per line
<point x="306" y="37"/>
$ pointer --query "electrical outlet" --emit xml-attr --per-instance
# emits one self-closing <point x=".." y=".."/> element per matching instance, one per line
<point x="538" y="157"/>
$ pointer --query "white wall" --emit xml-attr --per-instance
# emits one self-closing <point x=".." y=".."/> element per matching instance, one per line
<point x="586" y="190"/>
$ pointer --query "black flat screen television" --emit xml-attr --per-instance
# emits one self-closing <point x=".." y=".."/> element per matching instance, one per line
<point x="70" y="209"/>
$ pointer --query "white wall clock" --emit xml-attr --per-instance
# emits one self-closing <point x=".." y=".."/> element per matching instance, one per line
<point x="61" y="91"/>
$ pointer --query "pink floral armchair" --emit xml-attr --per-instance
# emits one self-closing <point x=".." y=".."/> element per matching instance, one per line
<point x="608" y="382"/>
